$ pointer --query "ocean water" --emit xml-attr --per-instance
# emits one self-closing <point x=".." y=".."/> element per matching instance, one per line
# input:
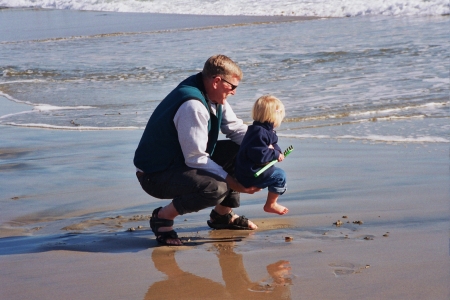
<point x="375" y="71"/>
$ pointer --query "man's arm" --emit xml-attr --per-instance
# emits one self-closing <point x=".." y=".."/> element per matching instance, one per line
<point x="236" y="186"/>
<point x="233" y="127"/>
<point x="191" y="122"/>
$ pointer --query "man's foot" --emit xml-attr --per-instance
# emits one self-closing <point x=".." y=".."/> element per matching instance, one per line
<point x="251" y="225"/>
<point x="163" y="229"/>
<point x="275" y="208"/>
<point x="229" y="220"/>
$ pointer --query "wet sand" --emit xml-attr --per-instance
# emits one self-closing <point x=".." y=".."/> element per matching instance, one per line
<point x="69" y="199"/>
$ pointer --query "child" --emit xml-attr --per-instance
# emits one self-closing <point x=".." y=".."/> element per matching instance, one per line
<point x="260" y="147"/>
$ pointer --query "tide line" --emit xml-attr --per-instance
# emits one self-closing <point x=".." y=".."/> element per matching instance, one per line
<point x="77" y="128"/>
<point x="374" y="138"/>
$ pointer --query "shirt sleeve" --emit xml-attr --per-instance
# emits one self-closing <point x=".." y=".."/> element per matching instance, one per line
<point x="191" y="122"/>
<point x="233" y="127"/>
<point x="259" y="151"/>
<point x="276" y="147"/>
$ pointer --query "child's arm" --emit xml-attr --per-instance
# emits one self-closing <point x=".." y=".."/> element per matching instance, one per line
<point x="276" y="147"/>
<point x="261" y="151"/>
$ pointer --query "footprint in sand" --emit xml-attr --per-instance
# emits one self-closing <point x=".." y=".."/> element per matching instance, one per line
<point x="341" y="269"/>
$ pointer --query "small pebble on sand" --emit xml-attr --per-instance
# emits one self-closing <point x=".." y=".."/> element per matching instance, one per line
<point x="338" y="223"/>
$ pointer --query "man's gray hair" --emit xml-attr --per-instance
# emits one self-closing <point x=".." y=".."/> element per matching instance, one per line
<point x="221" y="65"/>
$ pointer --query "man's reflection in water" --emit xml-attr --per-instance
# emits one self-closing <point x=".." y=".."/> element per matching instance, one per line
<point x="184" y="285"/>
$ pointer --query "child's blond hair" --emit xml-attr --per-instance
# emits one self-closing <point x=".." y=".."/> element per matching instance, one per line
<point x="270" y="109"/>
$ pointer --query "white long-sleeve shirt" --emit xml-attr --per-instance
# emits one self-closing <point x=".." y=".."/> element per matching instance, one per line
<point x="191" y="121"/>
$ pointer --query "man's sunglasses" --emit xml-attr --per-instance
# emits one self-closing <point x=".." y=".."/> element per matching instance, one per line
<point x="233" y="87"/>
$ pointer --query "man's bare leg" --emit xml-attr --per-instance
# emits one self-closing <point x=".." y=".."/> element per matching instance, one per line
<point x="170" y="213"/>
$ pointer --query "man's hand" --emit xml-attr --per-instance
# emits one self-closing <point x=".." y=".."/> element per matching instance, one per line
<point x="236" y="186"/>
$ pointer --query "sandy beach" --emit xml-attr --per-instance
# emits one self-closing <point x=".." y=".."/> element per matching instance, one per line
<point x="69" y="199"/>
<point x="368" y="189"/>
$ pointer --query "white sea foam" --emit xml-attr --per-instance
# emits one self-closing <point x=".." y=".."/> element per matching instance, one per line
<point x="381" y="114"/>
<point x="42" y="106"/>
<point x="39" y="108"/>
<point x="78" y="128"/>
<point x="11" y="98"/>
<point x="316" y="8"/>
<point x="375" y="138"/>
<point x="14" y="114"/>
<point x="429" y="106"/>
<point x="47" y="107"/>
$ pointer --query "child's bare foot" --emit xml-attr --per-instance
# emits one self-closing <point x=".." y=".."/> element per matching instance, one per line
<point x="275" y="208"/>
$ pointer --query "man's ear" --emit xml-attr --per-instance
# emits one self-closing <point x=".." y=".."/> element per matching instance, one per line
<point x="215" y="81"/>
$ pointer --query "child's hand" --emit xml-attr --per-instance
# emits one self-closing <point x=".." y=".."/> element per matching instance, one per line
<point x="281" y="157"/>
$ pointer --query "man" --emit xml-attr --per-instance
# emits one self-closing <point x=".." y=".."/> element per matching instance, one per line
<point x="179" y="156"/>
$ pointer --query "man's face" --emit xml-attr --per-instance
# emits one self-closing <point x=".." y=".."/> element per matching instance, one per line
<point x="222" y="88"/>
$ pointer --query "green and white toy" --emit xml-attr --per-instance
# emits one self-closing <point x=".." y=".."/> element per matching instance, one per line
<point x="286" y="153"/>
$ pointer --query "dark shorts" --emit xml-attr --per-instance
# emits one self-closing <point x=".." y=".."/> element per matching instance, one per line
<point x="195" y="189"/>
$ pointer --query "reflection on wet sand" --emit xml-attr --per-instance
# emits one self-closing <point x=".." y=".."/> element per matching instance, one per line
<point x="180" y="284"/>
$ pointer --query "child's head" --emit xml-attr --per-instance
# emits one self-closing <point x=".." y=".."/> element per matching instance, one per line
<point x="268" y="109"/>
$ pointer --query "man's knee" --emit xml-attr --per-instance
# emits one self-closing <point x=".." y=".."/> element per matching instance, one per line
<point x="214" y="192"/>
<point x="209" y="193"/>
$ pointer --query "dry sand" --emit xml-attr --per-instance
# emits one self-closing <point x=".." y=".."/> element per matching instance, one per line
<point x="69" y="198"/>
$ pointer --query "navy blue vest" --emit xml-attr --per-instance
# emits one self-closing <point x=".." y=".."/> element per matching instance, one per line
<point x="159" y="148"/>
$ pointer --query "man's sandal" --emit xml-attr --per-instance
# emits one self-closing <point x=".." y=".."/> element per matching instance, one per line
<point x="162" y="237"/>
<point x="224" y="221"/>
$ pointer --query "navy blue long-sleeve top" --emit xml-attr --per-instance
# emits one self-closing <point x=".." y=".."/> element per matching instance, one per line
<point x="255" y="153"/>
